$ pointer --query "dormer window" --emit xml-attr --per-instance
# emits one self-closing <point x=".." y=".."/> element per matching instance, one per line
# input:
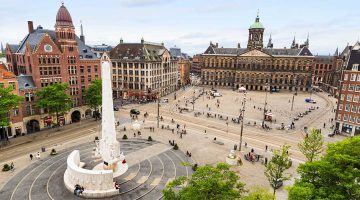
<point x="355" y="67"/>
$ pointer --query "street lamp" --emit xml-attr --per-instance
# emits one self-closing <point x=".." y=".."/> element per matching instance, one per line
<point x="242" y="121"/>
<point x="266" y="89"/>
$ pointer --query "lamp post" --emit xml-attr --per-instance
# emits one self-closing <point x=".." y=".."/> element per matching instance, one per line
<point x="295" y="93"/>
<point x="242" y="122"/>
<point x="266" y="89"/>
<point x="158" y="105"/>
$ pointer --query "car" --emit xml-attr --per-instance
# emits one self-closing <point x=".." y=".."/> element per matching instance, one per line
<point x="216" y="94"/>
<point x="116" y="108"/>
<point x="134" y="112"/>
<point x="165" y="100"/>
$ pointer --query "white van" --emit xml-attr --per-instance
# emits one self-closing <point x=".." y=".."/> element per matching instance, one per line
<point x="165" y="100"/>
<point x="216" y="94"/>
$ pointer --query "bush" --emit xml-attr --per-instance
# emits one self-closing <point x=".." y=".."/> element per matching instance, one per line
<point x="6" y="168"/>
<point x="175" y="147"/>
<point x="194" y="167"/>
<point x="125" y="137"/>
<point x="53" y="152"/>
<point x="150" y="138"/>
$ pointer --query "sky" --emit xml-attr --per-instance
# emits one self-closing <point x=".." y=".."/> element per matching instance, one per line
<point x="192" y="24"/>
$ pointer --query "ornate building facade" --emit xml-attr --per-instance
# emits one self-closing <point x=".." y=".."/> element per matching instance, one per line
<point x="142" y="70"/>
<point x="47" y="56"/>
<point x="256" y="66"/>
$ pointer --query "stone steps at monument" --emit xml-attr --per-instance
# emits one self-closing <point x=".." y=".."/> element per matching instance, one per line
<point x="169" y="173"/>
<point x="145" y="171"/>
<point x="148" y="183"/>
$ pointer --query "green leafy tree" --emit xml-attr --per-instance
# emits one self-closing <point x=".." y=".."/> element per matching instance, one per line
<point x="93" y="96"/>
<point x="207" y="182"/>
<point x="312" y="146"/>
<point x="275" y="169"/>
<point x="8" y="101"/>
<point x="259" y="193"/>
<point x="55" y="99"/>
<point x="335" y="176"/>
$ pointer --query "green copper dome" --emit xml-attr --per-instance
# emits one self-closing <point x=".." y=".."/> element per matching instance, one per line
<point x="257" y="24"/>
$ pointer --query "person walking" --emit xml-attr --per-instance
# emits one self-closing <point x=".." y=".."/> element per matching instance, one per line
<point x="31" y="156"/>
<point x="266" y="147"/>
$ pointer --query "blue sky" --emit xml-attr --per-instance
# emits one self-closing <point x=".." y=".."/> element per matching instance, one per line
<point x="192" y="24"/>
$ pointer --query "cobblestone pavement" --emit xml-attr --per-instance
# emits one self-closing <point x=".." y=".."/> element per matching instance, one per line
<point x="43" y="179"/>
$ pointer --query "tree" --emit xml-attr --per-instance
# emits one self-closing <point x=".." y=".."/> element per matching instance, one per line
<point x="93" y="96"/>
<point x="259" y="193"/>
<point x="312" y="145"/>
<point x="8" y="100"/>
<point x="55" y="99"/>
<point x="335" y="176"/>
<point x="207" y="182"/>
<point x="275" y="169"/>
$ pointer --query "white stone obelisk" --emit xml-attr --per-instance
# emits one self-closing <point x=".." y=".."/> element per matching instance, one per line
<point x="109" y="146"/>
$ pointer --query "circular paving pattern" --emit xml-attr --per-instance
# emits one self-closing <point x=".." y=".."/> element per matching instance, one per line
<point x="43" y="179"/>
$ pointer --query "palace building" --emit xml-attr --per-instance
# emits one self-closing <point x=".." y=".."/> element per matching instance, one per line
<point x="48" y="56"/>
<point x="257" y="66"/>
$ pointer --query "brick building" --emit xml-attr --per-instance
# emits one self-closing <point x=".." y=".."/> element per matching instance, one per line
<point x="8" y="79"/>
<point x="256" y="66"/>
<point x="53" y="56"/>
<point x="348" y="108"/>
<point x="195" y="65"/>
<point x="142" y="70"/>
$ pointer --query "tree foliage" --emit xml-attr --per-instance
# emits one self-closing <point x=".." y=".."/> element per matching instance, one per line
<point x="259" y="193"/>
<point x="335" y="176"/>
<point x="93" y="96"/>
<point x="275" y="169"/>
<point x="312" y="146"/>
<point x="207" y="182"/>
<point x="8" y="100"/>
<point x="55" y="99"/>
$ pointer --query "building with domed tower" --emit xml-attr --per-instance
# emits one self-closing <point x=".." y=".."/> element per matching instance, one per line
<point x="257" y="67"/>
<point x="46" y="56"/>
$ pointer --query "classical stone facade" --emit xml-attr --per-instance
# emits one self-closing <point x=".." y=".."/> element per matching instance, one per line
<point x="255" y="67"/>
<point x="142" y="70"/>
<point x="47" y="56"/>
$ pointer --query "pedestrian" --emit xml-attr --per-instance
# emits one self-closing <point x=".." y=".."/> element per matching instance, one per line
<point x="205" y="131"/>
<point x="181" y="135"/>
<point x="134" y="135"/>
<point x="31" y="156"/>
<point x="245" y="144"/>
<point x="254" y="106"/>
<point x="12" y="167"/>
<point x="252" y="150"/>
<point x="214" y="138"/>
<point x="266" y="147"/>
<point x="187" y="153"/>
<point x="173" y="142"/>
<point x="287" y="152"/>
<point x="266" y="160"/>
<point x="324" y="125"/>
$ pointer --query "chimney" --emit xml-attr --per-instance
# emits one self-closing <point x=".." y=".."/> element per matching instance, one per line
<point x="30" y="27"/>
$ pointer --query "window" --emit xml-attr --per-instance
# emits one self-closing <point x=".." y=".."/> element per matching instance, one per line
<point x="96" y="68"/>
<point x="344" y="87"/>
<point x="82" y="79"/>
<point x="352" y="118"/>
<point x="339" y="117"/>
<point x="12" y="84"/>
<point x="355" y="67"/>
<point x="349" y="97"/>
<point x="89" y="69"/>
<point x="345" y="118"/>
<point x="342" y="97"/>
<point x="345" y="77"/>
<point x="15" y="112"/>
<point x="81" y="69"/>
<point x="358" y="120"/>
<point x="29" y="97"/>
<point x="356" y="98"/>
<point x="340" y="106"/>
<point x="89" y="78"/>
<point x="353" y="109"/>
<point x="353" y="77"/>
<point x="351" y="87"/>
<point x="72" y="69"/>
<point x="347" y="107"/>
<point x="357" y="87"/>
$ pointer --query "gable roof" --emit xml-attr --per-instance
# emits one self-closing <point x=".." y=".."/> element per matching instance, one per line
<point x="145" y="51"/>
<point x="35" y="37"/>
<point x="13" y="47"/>
<point x="25" y="82"/>
<point x="354" y="58"/>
